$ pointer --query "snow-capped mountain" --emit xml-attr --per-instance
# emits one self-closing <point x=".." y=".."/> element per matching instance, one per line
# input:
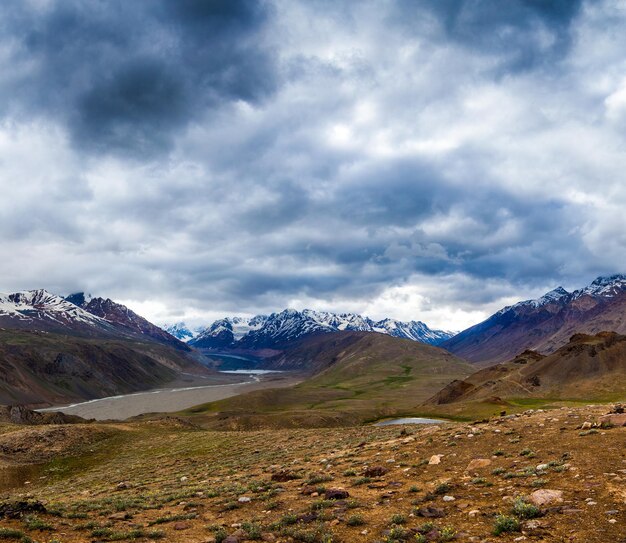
<point x="545" y="324"/>
<point x="270" y="331"/>
<point x="124" y="318"/>
<point x="76" y="314"/>
<point x="181" y="331"/>
<point x="33" y="308"/>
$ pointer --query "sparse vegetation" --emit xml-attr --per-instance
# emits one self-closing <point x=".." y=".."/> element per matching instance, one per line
<point x="505" y="524"/>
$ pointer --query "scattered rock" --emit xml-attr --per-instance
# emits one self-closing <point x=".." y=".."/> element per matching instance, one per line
<point x="375" y="471"/>
<point x="613" y="419"/>
<point x="244" y="499"/>
<point x="430" y="512"/>
<point x="448" y="498"/>
<point x="546" y="496"/>
<point x="336" y="494"/>
<point x="435" y="459"/>
<point x="478" y="463"/>
<point x="283" y="476"/>
<point x="14" y="510"/>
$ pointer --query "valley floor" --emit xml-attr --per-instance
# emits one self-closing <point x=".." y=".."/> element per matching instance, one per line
<point x="185" y="393"/>
<point x="452" y="482"/>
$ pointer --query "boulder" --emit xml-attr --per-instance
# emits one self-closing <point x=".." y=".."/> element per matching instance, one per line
<point x="336" y="494"/>
<point x="545" y="496"/>
<point x="375" y="471"/>
<point x="613" y="419"/>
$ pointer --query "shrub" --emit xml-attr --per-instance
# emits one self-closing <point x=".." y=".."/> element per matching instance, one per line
<point x="355" y="520"/>
<point x="525" y="510"/>
<point x="506" y="524"/>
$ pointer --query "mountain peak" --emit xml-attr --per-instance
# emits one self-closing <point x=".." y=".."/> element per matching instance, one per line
<point x="604" y="280"/>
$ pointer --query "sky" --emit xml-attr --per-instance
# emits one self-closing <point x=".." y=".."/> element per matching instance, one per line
<point x="417" y="159"/>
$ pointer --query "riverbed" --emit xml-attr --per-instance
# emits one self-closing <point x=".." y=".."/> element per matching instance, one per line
<point x="175" y="398"/>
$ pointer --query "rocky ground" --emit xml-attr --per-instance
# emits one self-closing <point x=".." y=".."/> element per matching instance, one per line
<point x="543" y="476"/>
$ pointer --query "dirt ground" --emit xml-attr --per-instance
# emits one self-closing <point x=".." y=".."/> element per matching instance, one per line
<point x="542" y="476"/>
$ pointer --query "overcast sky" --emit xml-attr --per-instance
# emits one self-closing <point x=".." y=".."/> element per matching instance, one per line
<point x="419" y="159"/>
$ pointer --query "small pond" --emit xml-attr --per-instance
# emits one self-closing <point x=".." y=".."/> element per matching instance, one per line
<point x="409" y="420"/>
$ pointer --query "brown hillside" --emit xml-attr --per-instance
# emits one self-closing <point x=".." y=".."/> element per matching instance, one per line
<point x="587" y="368"/>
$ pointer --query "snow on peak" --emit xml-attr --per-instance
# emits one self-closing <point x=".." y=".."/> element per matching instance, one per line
<point x="31" y="305"/>
<point x="604" y="286"/>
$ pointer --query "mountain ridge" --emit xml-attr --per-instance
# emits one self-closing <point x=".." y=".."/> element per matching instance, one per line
<point x="546" y="323"/>
<point x="276" y="329"/>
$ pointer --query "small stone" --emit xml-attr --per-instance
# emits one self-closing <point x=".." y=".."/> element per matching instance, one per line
<point x="435" y="459"/>
<point x="586" y="425"/>
<point x="430" y="512"/>
<point x="449" y="498"/>
<point x="244" y="499"/>
<point x="612" y="521"/>
<point x="181" y="526"/>
<point x="473" y="513"/>
<point x="542" y="467"/>
<point x="478" y="463"/>
<point x="184" y="479"/>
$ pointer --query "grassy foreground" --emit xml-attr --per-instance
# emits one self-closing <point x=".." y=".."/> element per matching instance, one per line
<point x="168" y="481"/>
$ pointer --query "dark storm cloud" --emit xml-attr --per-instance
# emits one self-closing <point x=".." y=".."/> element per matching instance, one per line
<point x="126" y="76"/>
<point x="522" y="34"/>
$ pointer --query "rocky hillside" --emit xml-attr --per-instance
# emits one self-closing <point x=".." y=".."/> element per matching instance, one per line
<point x="59" y="350"/>
<point x="125" y="320"/>
<point x="48" y="368"/>
<point x="588" y="368"/>
<point x="545" y="324"/>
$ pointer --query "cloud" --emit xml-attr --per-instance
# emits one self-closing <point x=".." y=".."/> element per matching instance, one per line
<point x="125" y="77"/>
<point x="431" y="160"/>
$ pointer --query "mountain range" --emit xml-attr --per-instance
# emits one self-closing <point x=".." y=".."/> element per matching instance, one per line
<point x="273" y="331"/>
<point x="544" y="324"/>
